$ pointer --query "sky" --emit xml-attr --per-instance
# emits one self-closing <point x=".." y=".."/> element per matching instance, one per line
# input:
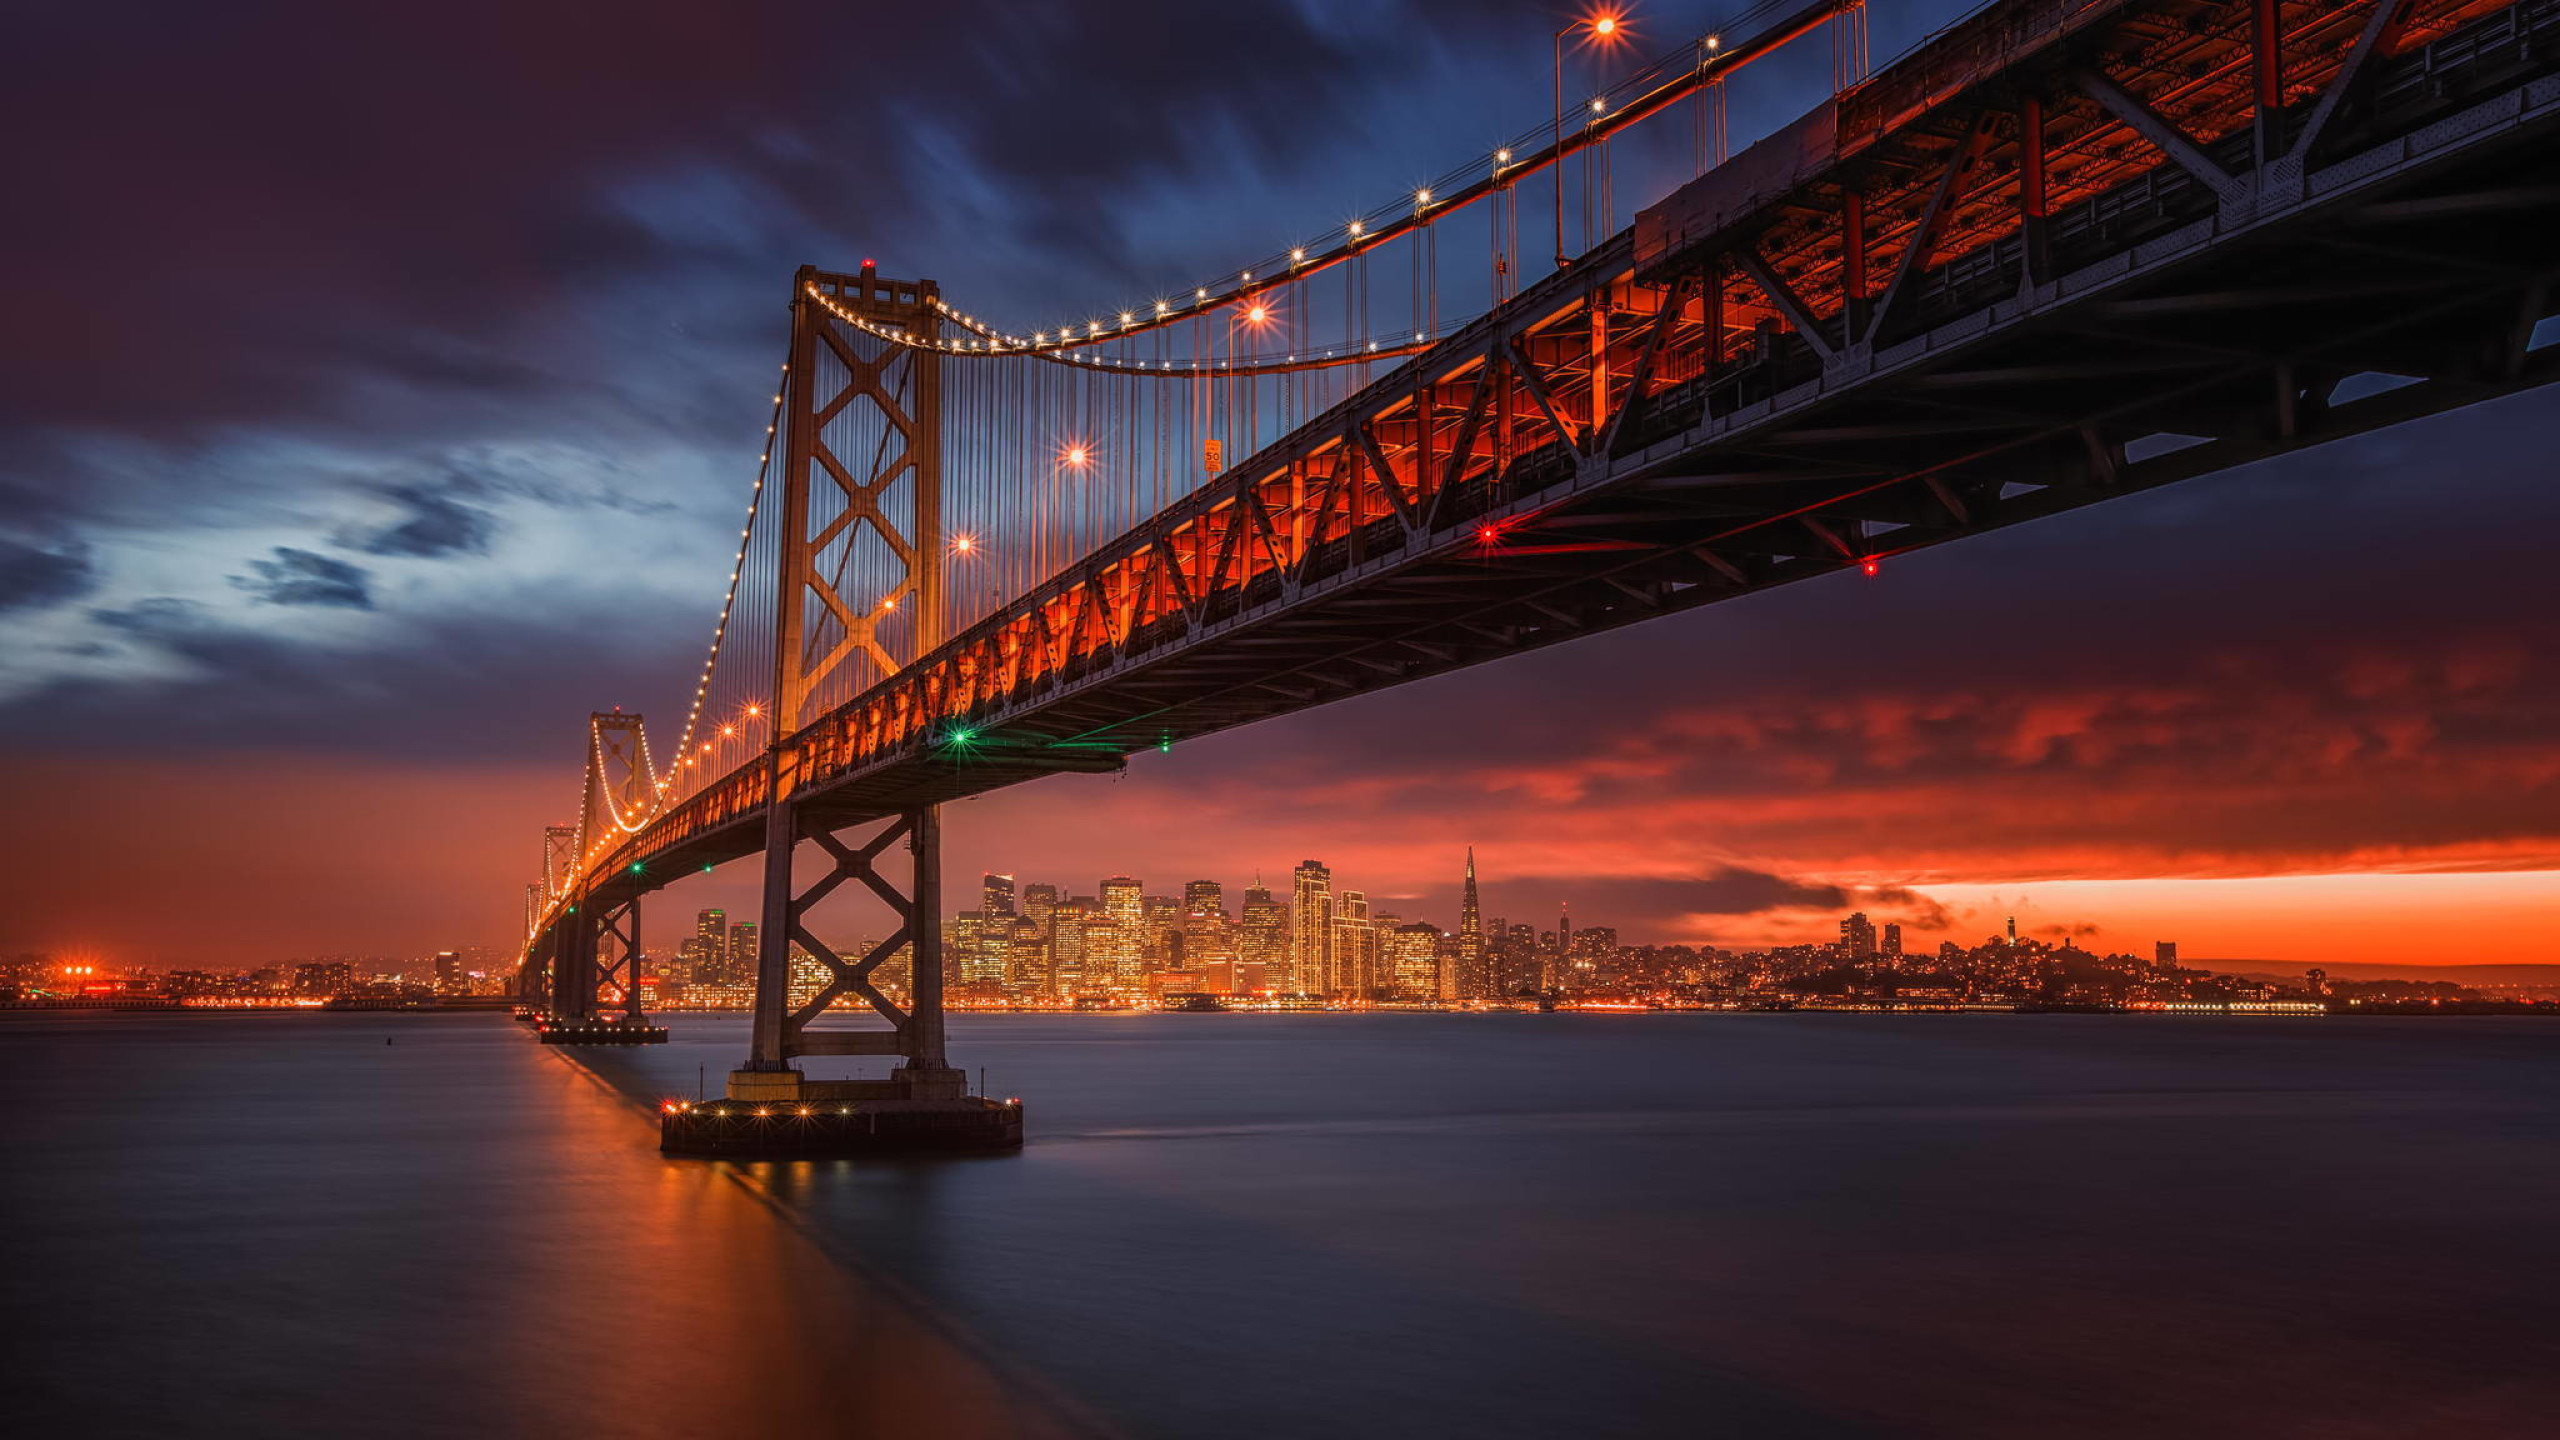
<point x="387" y="384"/>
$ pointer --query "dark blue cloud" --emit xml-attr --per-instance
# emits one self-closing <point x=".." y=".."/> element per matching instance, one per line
<point x="437" y="524"/>
<point x="302" y="577"/>
<point x="34" y="573"/>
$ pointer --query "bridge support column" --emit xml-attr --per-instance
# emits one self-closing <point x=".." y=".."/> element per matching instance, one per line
<point x="773" y="939"/>
<point x="573" y="975"/>
<point x="915" y="1032"/>
<point x="597" y="926"/>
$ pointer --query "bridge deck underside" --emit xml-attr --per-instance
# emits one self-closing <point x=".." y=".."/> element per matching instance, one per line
<point x="2420" y="245"/>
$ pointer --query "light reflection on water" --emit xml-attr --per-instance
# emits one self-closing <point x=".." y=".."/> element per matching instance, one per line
<point x="1292" y="1225"/>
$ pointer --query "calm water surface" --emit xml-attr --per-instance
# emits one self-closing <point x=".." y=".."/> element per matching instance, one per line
<point x="1232" y="1225"/>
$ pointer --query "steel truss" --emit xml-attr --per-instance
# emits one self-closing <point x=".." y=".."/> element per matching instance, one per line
<point x="782" y="1031"/>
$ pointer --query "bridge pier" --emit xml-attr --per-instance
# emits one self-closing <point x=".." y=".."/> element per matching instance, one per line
<point x="592" y="928"/>
<point x="771" y="1109"/>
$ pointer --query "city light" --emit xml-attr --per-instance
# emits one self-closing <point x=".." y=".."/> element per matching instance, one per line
<point x="1076" y="456"/>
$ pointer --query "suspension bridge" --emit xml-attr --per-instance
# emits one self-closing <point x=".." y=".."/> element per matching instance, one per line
<point x="2061" y="252"/>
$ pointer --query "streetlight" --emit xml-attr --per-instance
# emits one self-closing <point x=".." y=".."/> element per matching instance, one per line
<point x="1602" y="28"/>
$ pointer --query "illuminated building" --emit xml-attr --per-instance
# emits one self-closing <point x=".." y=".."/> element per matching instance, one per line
<point x="1068" y="929"/>
<point x="809" y="974"/>
<point x="1473" y="953"/>
<point x="2164" y="953"/>
<point x="1026" y="959"/>
<point x="1893" y="941"/>
<point x="1352" y="972"/>
<point x="1115" y="959"/>
<point x="1858" y="937"/>
<point x="1262" y="943"/>
<point x="324" y="978"/>
<point x="1034" y="962"/>
<point x="975" y="940"/>
<point x="1524" y="968"/>
<point x="1310" y="929"/>
<point x="1163" y="947"/>
<point x="742" y="954"/>
<point x="449" y="978"/>
<point x="995" y="897"/>
<point x="1412" y="961"/>
<point x="1208" y="939"/>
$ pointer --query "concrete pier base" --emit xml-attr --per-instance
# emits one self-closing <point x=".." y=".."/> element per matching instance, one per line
<point x="782" y="1114"/>
<point x="811" y="1128"/>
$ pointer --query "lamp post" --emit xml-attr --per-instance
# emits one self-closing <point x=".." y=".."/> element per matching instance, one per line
<point x="1601" y="27"/>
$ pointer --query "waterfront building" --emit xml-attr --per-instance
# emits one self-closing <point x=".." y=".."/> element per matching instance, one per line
<point x="1263" y="943"/>
<point x="1310" y="929"/>
<point x="1473" y="952"/>
<point x="1162" y="949"/>
<point x="1069" y="928"/>
<point x="709" y="952"/>
<point x="1353" y="972"/>
<point x="1413" y="961"/>
<point x="1118" y="964"/>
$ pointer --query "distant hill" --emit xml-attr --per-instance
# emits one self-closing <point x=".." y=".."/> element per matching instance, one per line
<point x="2461" y="974"/>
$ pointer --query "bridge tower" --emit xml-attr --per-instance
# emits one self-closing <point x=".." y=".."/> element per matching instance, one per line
<point x="878" y="505"/>
<point x="594" y="945"/>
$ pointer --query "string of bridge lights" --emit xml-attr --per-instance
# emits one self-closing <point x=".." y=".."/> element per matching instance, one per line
<point x="986" y="341"/>
<point x="613" y="807"/>
<point x="661" y="786"/>
<point x="1349" y="240"/>
<point x="719" y="632"/>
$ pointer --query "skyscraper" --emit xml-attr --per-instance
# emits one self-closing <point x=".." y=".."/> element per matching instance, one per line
<point x="1068" y="931"/>
<point x="995" y="897"/>
<point x="1413" y="961"/>
<point x="1858" y="937"/>
<point x="711" y="953"/>
<point x="1893" y="940"/>
<point x="975" y="943"/>
<point x="1473" y="953"/>
<point x="1311" y="929"/>
<point x="1163" y="938"/>
<point x="1354" y="968"/>
<point x="1115" y="959"/>
<point x="1208" y="940"/>
<point x="1262" y="942"/>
